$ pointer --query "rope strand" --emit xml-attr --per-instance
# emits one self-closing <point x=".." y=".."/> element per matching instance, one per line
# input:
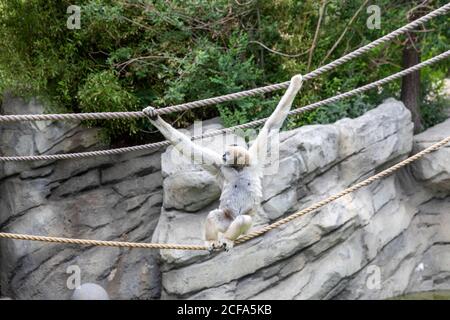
<point x="233" y="96"/>
<point x="251" y="124"/>
<point x="86" y="242"/>
<point x="241" y="239"/>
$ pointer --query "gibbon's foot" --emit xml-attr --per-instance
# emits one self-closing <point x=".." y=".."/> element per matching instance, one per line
<point x="227" y="244"/>
<point x="213" y="245"/>
<point x="150" y="112"/>
<point x="297" y="80"/>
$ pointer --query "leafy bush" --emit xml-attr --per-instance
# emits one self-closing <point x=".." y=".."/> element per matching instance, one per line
<point x="103" y="91"/>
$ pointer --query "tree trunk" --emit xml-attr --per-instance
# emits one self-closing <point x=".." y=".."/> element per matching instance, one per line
<point x="410" y="93"/>
<point x="411" y="85"/>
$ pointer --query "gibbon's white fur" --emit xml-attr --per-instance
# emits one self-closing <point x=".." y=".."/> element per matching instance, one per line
<point x="241" y="171"/>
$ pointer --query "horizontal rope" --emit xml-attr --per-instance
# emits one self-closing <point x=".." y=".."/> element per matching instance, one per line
<point x="241" y="239"/>
<point x="349" y="190"/>
<point x="100" y="243"/>
<point x="233" y="96"/>
<point x="251" y="124"/>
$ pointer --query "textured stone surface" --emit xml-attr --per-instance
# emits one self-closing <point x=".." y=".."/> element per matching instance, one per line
<point x="328" y="254"/>
<point x="434" y="168"/>
<point x="386" y="239"/>
<point x="106" y="198"/>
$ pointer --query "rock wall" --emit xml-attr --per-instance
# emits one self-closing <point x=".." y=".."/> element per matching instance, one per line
<point x="386" y="239"/>
<point x="110" y="198"/>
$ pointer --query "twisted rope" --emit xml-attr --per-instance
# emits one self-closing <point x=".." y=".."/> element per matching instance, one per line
<point x="349" y="190"/>
<point x="241" y="239"/>
<point x="233" y="96"/>
<point x="86" y="242"/>
<point x="231" y="129"/>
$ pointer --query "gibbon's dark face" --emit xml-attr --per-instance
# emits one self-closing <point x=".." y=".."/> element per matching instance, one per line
<point x="236" y="156"/>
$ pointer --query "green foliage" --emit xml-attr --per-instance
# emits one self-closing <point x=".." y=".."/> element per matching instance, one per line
<point x="103" y="91"/>
<point x="133" y="53"/>
<point x="434" y="111"/>
<point x="434" y="107"/>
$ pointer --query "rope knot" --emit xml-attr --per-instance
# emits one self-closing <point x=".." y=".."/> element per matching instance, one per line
<point x="150" y="112"/>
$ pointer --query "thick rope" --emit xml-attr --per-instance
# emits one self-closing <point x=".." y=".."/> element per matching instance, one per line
<point x="86" y="242"/>
<point x="244" y="238"/>
<point x="347" y="191"/>
<point x="231" y="129"/>
<point x="233" y="96"/>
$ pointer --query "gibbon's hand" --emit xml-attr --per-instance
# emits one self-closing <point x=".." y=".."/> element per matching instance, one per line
<point x="150" y="112"/>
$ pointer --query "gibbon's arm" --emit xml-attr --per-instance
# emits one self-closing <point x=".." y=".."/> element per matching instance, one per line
<point x="207" y="158"/>
<point x="258" y="150"/>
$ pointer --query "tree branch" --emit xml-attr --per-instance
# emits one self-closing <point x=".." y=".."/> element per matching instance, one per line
<point x="278" y="52"/>
<point x="316" y="34"/>
<point x="344" y="32"/>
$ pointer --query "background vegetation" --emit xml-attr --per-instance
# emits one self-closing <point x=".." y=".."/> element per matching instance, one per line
<point x="133" y="53"/>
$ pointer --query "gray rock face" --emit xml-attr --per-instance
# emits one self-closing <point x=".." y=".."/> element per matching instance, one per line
<point x="330" y="253"/>
<point x="386" y="239"/>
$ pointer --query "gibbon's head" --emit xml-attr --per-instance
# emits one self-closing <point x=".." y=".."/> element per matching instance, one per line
<point x="236" y="156"/>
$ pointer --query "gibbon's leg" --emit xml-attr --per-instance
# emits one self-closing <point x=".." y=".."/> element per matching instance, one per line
<point x="239" y="226"/>
<point x="276" y="119"/>
<point x="216" y="222"/>
<point x="258" y="150"/>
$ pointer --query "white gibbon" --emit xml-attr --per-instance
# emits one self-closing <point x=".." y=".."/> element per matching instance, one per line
<point x="240" y="170"/>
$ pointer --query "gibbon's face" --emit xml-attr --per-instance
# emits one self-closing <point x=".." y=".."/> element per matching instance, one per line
<point x="236" y="156"/>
